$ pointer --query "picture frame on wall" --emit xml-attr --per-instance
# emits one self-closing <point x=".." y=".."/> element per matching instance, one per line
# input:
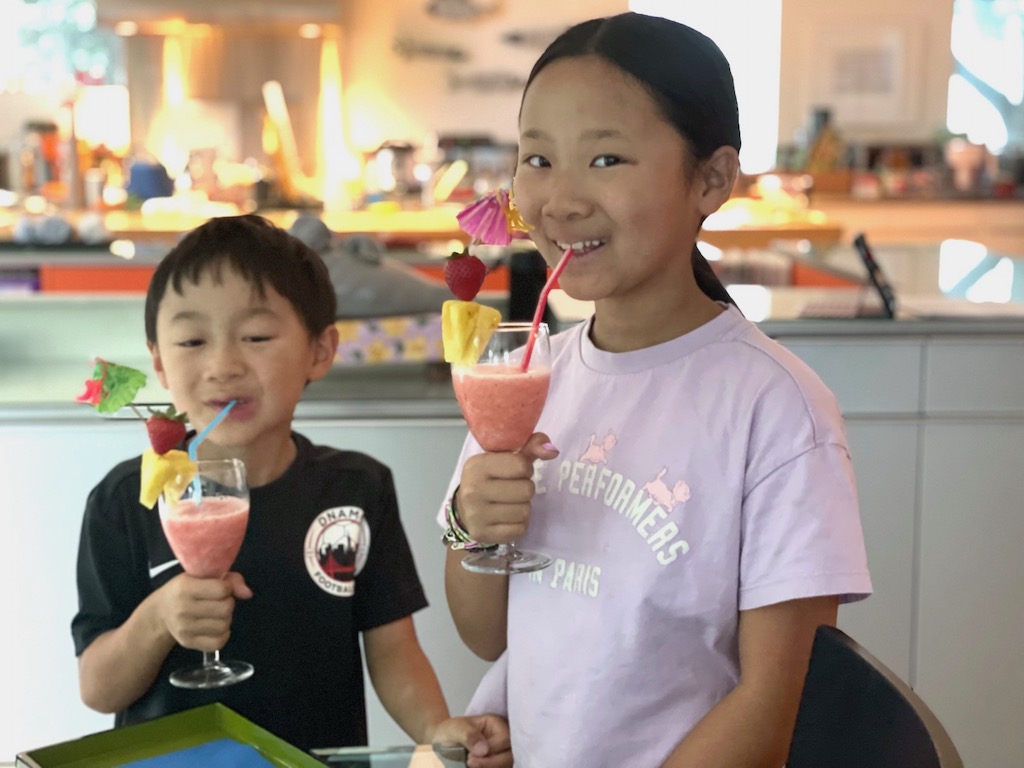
<point x="867" y="71"/>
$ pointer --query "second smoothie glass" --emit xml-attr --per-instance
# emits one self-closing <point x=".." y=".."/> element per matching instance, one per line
<point x="501" y="403"/>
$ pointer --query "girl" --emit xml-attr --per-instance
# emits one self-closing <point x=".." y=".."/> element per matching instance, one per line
<point x="700" y="507"/>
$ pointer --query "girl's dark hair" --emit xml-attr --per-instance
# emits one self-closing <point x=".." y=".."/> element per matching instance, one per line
<point x="685" y="72"/>
<point x="262" y="254"/>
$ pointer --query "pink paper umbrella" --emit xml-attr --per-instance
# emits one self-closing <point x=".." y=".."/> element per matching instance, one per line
<point x="491" y="219"/>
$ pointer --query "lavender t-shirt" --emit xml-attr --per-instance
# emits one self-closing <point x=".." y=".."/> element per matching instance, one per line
<point x="697" y="478"/>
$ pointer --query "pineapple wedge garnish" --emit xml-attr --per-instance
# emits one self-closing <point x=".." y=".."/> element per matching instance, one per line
<point x="466" y="327"/>
<point x="167" y="473"/>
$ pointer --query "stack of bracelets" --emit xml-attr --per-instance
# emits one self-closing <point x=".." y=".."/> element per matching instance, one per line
<point x="457" y="537"/>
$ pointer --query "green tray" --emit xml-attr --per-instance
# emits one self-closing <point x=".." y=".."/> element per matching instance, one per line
<point x="166" y="734"/>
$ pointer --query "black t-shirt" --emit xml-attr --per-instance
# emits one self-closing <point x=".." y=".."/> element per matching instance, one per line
<point x="301" y="628"/>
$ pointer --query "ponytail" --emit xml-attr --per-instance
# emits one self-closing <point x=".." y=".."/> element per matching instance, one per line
<point x="707" y="280"/>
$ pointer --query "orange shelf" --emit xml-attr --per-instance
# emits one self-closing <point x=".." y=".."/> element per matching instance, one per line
<point x="94" y="279"/>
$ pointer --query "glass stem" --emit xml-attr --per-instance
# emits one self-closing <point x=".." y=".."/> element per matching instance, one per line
<point x="505" y="550"/>
<point x="211" y="658"/>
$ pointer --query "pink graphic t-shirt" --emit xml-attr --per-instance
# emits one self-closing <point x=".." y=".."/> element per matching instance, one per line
<point x="697" y="478"/>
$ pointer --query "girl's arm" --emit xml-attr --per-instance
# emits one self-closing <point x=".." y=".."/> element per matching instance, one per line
<point x="752" y="726"/>
<point x="493" y="503"/>
<point x="479" y="606"/>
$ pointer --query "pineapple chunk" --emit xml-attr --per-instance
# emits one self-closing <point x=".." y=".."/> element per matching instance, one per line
<point x="466" y="327"/>
<point x="168" y="473"/>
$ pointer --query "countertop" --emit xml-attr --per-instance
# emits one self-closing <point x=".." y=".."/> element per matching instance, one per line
<point x="47" y="342"/>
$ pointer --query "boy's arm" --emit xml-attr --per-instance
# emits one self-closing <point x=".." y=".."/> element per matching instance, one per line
<point x="752" y="726"/>
<point x="120" y="665"/>
<point x="404" y="679"/>
<point x="406" y="684"/>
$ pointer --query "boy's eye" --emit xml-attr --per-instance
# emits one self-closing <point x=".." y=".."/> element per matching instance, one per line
<point x="606" y="161"/>
<point x="257" y="339"/>
<point x="187" y="343"/>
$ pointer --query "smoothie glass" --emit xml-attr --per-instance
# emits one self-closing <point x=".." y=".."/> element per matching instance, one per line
<point x="501" y="403"/>
<point x="205" y="529"/>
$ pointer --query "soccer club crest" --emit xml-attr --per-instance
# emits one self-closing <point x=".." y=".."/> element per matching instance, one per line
<point x="337" y="544"/>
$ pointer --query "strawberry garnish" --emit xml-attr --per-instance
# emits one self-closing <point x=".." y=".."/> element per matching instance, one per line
<point x="464" y="275"/>
<point x="166" y="429"/>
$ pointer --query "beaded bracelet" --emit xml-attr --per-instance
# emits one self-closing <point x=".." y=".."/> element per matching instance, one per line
<point x="457" y="537"/>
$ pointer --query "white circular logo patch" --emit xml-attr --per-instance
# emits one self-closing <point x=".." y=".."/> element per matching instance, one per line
<point x="337" y="544"/>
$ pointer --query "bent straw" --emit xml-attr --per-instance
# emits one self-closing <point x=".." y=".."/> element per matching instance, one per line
<point x="542" y="302"/>
<point x="197" y="491"/>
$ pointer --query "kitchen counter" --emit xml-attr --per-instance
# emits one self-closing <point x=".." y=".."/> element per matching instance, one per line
<point x="413" y="225"/>
<point x="47" y="341"/>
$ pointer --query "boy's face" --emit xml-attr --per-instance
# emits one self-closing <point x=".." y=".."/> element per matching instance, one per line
<point x="219" y="341"/>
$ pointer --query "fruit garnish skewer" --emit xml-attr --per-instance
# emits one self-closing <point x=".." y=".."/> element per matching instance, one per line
<point x="165" y="468"/>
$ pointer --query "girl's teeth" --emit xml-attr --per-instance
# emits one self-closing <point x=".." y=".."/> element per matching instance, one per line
<point x="582" y="246"/>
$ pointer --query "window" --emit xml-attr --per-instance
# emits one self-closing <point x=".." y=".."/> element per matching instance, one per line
<point x="987" y="85"/>
<point x="753" y="49"/>
<point x="51" y="44"/>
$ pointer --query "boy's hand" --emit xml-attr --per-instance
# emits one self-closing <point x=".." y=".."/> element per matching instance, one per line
<point x="496" y="489"/>
<point x="197" y="612"/>
<point x="485" y="737"/>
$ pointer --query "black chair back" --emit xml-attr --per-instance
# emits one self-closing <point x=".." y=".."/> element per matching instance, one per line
<point x="856" y="713"/>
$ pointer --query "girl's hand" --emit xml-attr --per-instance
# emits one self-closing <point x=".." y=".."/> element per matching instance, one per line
<point x="496" y="489"/>
<point x="197" y="612"/>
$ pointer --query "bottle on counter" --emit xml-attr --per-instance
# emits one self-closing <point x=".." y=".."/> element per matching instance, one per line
<point x="826" y="147"/>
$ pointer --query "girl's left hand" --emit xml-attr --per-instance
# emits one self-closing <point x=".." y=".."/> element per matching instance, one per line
<point x="485" y="737"/>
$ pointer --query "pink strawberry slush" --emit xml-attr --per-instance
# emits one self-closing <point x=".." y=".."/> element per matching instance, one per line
<point x="501" y="403"/>
<point x="206" y="539"/>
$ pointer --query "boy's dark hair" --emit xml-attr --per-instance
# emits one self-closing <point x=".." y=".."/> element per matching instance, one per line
<point x="262" y="254"/>
<point x="685" y="73"/>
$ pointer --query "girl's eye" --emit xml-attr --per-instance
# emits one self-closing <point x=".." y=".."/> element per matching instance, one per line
<point x="536" y="161"/>
<point x="606" y="161"/>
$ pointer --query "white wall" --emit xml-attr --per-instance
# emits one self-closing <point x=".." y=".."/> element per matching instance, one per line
<point x="923" y="28"/>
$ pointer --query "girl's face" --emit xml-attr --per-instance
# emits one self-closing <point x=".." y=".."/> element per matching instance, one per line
<point x="600" y="169"/>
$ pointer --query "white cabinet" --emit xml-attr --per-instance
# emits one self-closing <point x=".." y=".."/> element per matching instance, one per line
<point x="48" y="471"/>
<point x="970" y="633"/>
<point x="936" y="428"/>
<point x="885" y="459"/>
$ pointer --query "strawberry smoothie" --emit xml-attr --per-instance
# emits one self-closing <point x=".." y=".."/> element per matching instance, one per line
<point x="206" y="539"/>
<point x="500" y="403"/>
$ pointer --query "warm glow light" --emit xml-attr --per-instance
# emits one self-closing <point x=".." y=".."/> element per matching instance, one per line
<point x="101" y="117"/>
<point x="174" y="71"/>
<point x="310" y="31"/>
<point x="340" y="165"/>
<point x="126" y="28"/>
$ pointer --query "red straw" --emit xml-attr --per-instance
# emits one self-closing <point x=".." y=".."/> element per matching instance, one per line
<point x="541" y="303"/>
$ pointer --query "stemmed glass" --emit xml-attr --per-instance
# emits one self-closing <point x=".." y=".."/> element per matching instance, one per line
<point x="205" y="528"/>
<point x="501" y="403"/>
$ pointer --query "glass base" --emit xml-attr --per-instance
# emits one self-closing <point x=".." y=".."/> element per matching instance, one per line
<point x="214" y="675"/>
<point x="505" y="559"/>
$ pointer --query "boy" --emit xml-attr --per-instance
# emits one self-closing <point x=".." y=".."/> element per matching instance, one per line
<point x="240" y="310"/>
